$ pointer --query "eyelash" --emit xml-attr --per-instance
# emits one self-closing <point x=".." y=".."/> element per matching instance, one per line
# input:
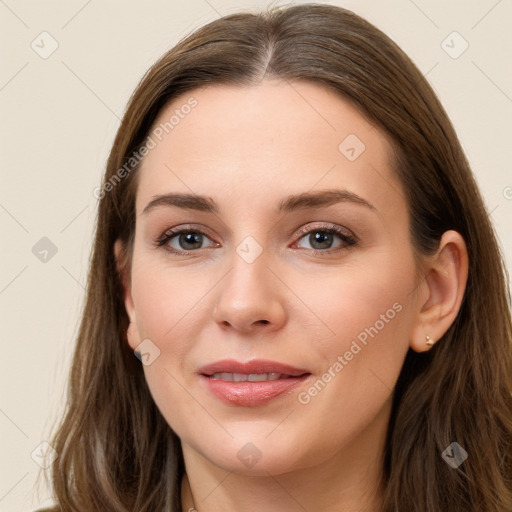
<point x="348" y="240"/>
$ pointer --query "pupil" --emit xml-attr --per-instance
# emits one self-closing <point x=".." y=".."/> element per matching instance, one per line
<point x="323" y="238"/>
<point x="187" y="239"/>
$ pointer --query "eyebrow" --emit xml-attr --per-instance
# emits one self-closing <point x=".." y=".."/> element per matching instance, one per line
<point x="290" y="203"/>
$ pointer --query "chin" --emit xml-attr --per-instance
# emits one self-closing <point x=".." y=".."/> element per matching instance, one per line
<point x="257" y="457"/>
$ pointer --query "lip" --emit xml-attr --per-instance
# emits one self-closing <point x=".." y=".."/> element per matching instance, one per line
<point x="247" y="393"/>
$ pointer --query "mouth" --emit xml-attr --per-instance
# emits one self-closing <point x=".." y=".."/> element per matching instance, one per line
<point x="253" y="383"/>
<point x="250" y="377"/>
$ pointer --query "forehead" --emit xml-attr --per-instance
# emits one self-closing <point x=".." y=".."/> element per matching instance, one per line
<point x="258" y="143"/>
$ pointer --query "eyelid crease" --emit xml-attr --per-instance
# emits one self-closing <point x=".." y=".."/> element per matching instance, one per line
<point x="329" y="228"/>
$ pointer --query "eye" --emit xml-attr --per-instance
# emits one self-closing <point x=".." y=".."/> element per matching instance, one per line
<point x="330" y="238"/>
<point x="183" y="241"/>
<point x="322" y="239"/>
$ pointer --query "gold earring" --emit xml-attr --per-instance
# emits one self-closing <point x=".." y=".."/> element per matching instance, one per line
<point x="430" y="341"/>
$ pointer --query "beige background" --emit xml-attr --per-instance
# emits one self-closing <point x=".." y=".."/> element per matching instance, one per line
<point x="58" y="119"/>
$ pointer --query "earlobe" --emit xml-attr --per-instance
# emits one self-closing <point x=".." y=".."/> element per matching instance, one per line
<point x="122" y="270"/>
<point x="445" y="277"/>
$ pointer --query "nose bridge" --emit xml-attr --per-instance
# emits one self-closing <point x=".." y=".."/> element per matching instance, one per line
<point x="249" y="293"/>
<point x="249" y="277"/>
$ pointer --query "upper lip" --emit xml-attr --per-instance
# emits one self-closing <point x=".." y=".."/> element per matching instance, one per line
<point x="253" y="366"/>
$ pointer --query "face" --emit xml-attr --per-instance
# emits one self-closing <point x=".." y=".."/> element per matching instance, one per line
<point x="275" y="313"/>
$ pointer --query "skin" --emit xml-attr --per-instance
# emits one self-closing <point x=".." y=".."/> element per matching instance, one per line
<point x="249" y="148"/>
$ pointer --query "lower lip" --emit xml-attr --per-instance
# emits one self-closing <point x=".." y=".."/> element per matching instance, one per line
<point x="250" y="394"/>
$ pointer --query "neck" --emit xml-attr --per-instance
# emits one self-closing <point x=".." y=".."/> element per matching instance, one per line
<point x="348" y="480"/>
<point x="275" y="494"/>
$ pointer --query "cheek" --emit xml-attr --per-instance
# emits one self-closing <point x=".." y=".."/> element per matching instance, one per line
<point x="169" y="313"/>
<point x="369" y="312"/>
<point x="359" y="302"/>
<point x="167" y="298"/>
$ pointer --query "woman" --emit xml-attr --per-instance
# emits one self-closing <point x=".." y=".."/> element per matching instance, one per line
<point x="291" y="243"/>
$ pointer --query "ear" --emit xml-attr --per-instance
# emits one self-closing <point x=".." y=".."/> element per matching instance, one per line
<point x="123" y="271"/>
<point x="441" y="292"/>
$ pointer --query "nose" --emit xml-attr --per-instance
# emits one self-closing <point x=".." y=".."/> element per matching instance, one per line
<point x="250" y="297"/>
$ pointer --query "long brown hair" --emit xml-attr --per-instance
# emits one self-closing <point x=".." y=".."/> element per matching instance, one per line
<point x="116" y="451"/>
